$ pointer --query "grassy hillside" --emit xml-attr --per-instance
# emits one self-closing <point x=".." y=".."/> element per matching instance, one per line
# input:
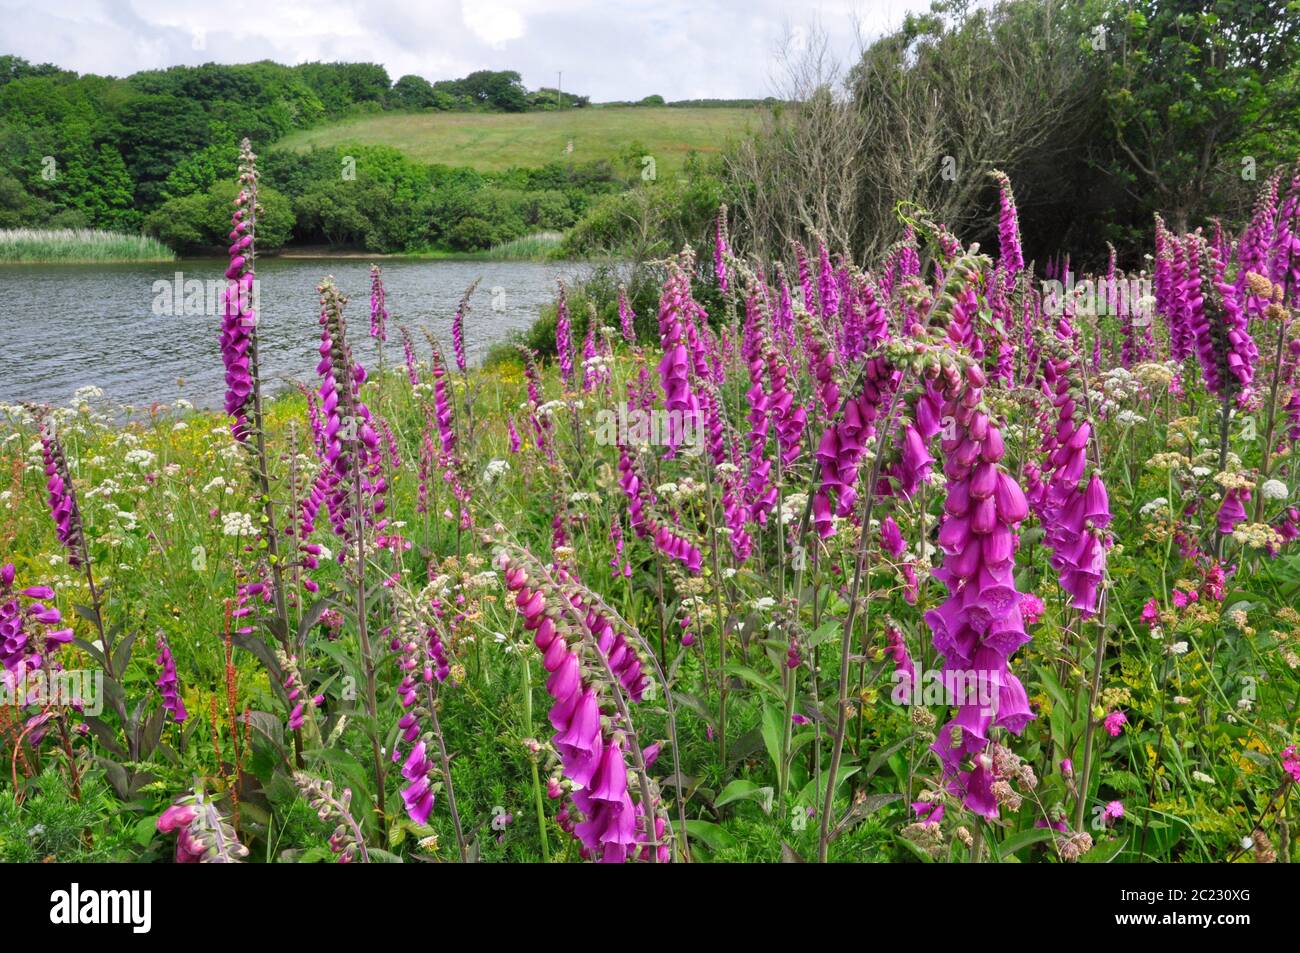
<point x="495" y="141"/>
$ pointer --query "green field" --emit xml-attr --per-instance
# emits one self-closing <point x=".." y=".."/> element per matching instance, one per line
<point x="495" y="141"/>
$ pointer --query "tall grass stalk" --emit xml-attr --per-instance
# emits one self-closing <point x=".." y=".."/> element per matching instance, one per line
<point x="78" y="246"/>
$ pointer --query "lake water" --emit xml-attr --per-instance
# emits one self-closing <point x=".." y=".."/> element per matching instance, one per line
<point x="69" y="326"/>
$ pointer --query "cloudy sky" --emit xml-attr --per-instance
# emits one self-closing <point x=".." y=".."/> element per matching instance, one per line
<point x="608" y="49"/>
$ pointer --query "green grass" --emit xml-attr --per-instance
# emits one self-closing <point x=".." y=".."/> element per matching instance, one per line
<point x="540" y="246"/>
<point x="78" y="246"/>
<point x="492" y="142"/>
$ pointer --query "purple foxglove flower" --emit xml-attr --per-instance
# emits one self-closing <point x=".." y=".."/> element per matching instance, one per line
<point x="458" y="326"/>
<point x="1233" y="510"/>
<point x="62" y="496"/>
<point x="1013" y="259"/>
<point x="378" y="306"/>
<point x="980" y="625"/>
<point x="564" y="336"/>
<point x="167" y="682"/>
<point x="721" y="249"/>
<point x="626" y="316"/>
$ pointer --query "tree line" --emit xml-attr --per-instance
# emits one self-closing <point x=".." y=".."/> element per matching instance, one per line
<point x="103" y="152"/>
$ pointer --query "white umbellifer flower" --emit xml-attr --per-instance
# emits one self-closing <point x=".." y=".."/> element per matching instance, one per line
<point x="1178" y="648"/>
<point x="1149" y="508"/>
<point x="180" y="425"/>
<point x="106" y="488"/>
<point x="792" y="507"/>
<point x="666" y="489"/>
<point x="495" y="470"/>
<point x="325" y="554"/>
<point x="236" y="524"/>
<point x="1200" y="472"/>
<point x="1202" y="777"/>
<point x="1127" y="417"/>
<point x="140" y="458"/>
<point x="1274" y="490"/>
<point x="763" y="604"/>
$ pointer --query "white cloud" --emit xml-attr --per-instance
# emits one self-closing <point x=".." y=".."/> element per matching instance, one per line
<point x="496" y="24"/>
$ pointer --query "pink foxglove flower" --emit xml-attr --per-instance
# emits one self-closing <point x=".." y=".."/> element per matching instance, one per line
<point x="564" y="336"/>
<point x="31" y="631"/>
<point x="167" y="682"/>
<point x="203" y="835"/>
<point x="721" y="249"/>
<point x="352" y="448"/>
<point x="1233" y="509"/>
<point x="61" y="494"/>
<point x="980" y="625"/>
<point x="239" y="318"/>
<point x="592" y="754"/>
<point x="1013" y="259"/>
<point x="626" y="316"/>
<point x="378" y="306"/>
<point x="458" y="326"/>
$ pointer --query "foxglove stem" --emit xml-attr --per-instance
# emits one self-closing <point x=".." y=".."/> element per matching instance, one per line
<point x="446" y="770"/>
<point x="72" y="533"/>
<point x="247" y="201"/>
<point x="363" y="634"/>
<point x="378" y="313"/>
<point x="1269" y="430"/>
<point x="846" y="636"/>
<point x="353" y="456"/>
<point x="1100" y="653"/>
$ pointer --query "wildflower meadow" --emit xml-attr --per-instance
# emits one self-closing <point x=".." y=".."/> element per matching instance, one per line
<point x="946" y="557"/>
